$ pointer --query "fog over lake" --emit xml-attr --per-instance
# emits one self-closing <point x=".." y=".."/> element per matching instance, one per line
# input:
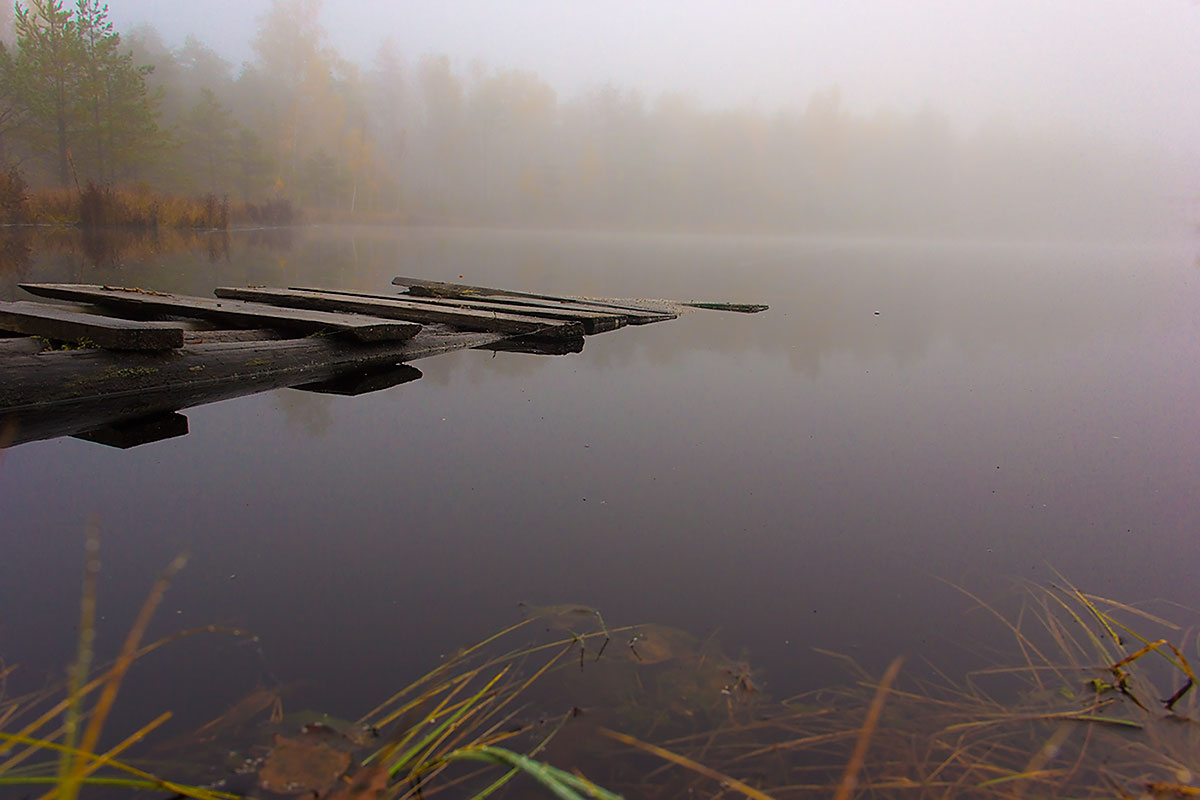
<point x="906" y="413"/>
<point x="976" y="227"/>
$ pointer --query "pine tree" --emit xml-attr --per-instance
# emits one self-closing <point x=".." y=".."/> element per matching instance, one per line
<point x="120" y="129"/>
<point x="47" y="69"/>
<point x="85" y="98"/>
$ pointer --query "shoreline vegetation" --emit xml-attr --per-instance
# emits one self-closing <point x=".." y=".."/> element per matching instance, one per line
<point x="94" y="207"/>
<point x="1090" y="698"/>
<point x="401" y="137"/>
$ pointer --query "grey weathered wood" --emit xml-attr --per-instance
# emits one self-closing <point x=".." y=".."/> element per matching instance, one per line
<point x="421" y="287"/>
<point x="66" y="325"/>
<point x="468" y="319"/>
<point x="21" y="344"/>
<point x="61" y="393"/>
<point x="233" y="335"/>
<point x="592" y="319"/>
<point x="633" y="315"/>
<point x="740" y="308"/>
<point x="232" y="312"/>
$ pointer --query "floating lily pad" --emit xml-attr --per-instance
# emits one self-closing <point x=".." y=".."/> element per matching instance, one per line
<point x="297" y="766"/>
<point x="317" y="725"/>
<point x="564" y="617"/>
<point x="654" y="644"/>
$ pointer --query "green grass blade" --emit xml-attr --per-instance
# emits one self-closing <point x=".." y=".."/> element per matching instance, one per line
<point x="125" y="783"/>
<point x="561" y="783"/>
<point x="508" y="776"/>
<point x="83" y="656"/>
<point x="84" y="756"/>
<point x="436" y="732"/>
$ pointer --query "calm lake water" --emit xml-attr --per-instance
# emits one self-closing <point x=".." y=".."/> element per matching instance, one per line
<point x="906" y="414"/>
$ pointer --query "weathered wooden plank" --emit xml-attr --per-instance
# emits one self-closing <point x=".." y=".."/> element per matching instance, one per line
<point x="740" y="308"/>
<point x="232" y="335"/>
<point x="426" y="288"/>
<point x="66" y="325"/>
<point x="398" y="308"/>
<point x="593" y="320"/>
<point x="59" y="393"/>
<point x="21" y="344"/>
<point x="232" y="312"/>
<point x="633" y="316"/>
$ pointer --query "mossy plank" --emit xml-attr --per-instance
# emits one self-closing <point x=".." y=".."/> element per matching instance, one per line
<point x="397" y="308"/>
<point x="592" y="319"/>
<point x="67" y="325"/>
<point x="637" y="315"/>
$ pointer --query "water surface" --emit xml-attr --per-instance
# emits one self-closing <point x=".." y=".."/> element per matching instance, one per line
<point x="907" y="413"/>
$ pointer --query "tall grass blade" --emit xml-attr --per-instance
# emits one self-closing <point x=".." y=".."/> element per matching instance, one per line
<point x="32" y="727"/>
<point x="82" y="756"/>
<point x="87" y="769"/>
<point x="562" y="783"/>
<point x="850" y="778"/>
<point x="83" y="656"/>
<point x="436" y="732"/>
<point x="686" y="763"/>
<point x="108" y="694"/>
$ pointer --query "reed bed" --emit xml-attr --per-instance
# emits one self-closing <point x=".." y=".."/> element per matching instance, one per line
<point x="133" y="207"/>
<point x="1101" y="704"/>
<point x="458" y="727"/>
<point x="1098" y="702"/>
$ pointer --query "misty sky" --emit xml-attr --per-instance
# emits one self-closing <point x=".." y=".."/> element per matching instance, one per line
<point x="1126" y="69"/>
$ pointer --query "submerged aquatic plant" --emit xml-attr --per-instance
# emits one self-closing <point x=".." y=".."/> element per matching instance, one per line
<point x="463" y="712"/>
<point x="53" y="744"/>
<point x="1101" y="704"/>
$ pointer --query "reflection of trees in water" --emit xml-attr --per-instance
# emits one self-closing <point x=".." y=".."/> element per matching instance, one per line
<point x="279" y="239"/>
<point x="305" y="412"/>
<point x="976" y="297"/>
<point x="15" y="251"/>
<point x="107" y="247"/>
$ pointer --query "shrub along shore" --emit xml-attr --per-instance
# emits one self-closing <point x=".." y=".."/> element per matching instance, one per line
<point x="133" y="207"/>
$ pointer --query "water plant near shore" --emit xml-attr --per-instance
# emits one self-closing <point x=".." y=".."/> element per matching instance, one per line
<point x="133" y="207"/>
<point x="460" y="713"/>
<point x="1101" y="703"/>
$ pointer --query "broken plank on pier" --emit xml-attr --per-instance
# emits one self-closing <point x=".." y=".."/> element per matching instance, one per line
<point x="231" y="312"/>
<point x="67" y="325"/>
<point x="740" y="308"/>
<point x="637" y="315"/>
<point x="593" y="320"/>
<point x="398" y="308"/>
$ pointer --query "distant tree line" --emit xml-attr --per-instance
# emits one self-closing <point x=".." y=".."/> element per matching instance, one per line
<point x="431" y="141"/>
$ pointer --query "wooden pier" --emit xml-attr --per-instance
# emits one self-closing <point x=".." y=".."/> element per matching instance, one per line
<point x="114" y="365"/>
